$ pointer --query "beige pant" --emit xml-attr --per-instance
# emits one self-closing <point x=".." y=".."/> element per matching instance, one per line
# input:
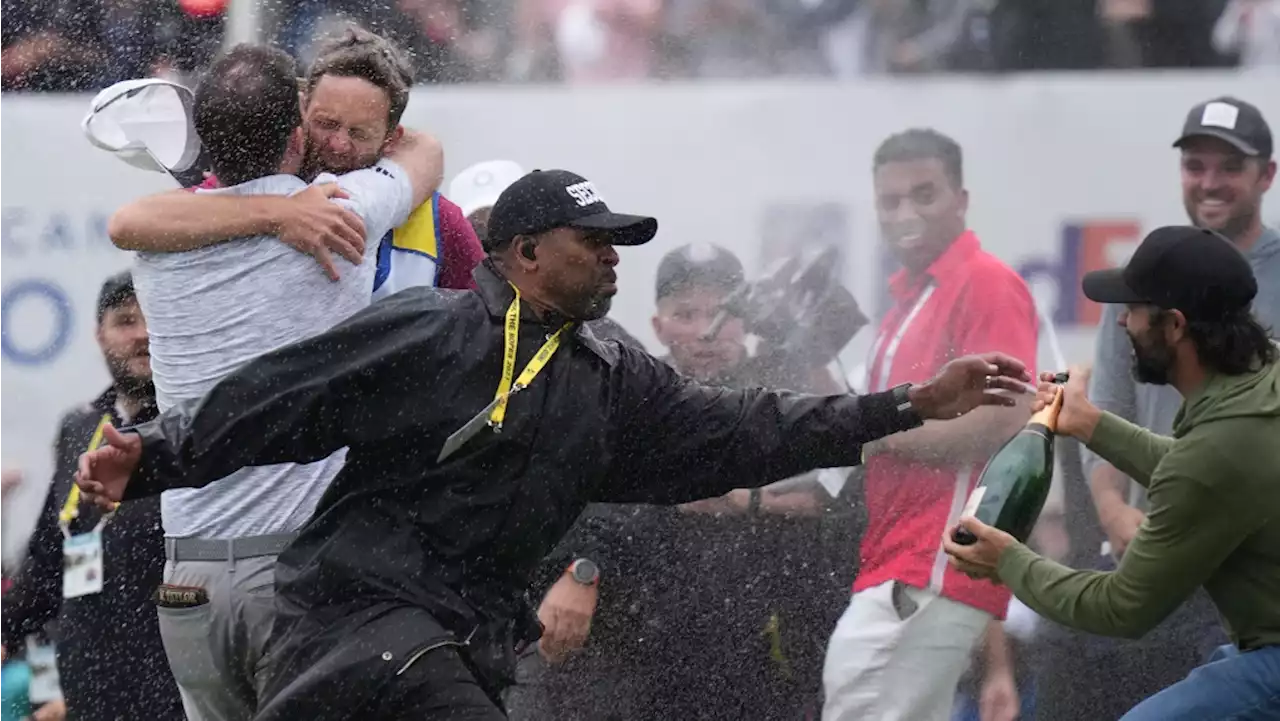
<point x="898" y="659"/>
<point x="215" y="650"/>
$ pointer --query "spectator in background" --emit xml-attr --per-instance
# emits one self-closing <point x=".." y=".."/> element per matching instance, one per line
<point x="912" y="623"/>
<point x="111" y="660"/>
<point x="589" y="41"/>
<point x="883" y="36"/>
<point x="1251" y="30"/>
<point x="1160" y="33"/>
<point x="82" y="45"/>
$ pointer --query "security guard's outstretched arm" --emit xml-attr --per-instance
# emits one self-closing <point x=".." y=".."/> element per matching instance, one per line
<point x="369" y="379"/>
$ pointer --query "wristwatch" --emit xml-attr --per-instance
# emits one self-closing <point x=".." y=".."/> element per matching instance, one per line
<point x="902" y="404"/>
<point x="585" y="571"/>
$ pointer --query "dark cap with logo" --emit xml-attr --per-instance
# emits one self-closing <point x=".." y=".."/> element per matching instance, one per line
<point x="547" y="199"/>
<point x="116" y="291"/>
<point x="1231" y="120"/>
<point x="698" y="264"/>
<point x="1194" y="270"/>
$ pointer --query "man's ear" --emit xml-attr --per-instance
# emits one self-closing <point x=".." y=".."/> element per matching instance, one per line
<point x="392" y="138"/>
<point x="1176" y="329"/>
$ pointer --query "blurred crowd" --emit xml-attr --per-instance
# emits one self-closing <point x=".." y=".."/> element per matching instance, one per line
<point x="84" y="45"/>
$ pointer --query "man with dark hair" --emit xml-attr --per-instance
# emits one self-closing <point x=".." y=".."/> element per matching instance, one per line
<point x="403" y="596"/>
<point x="1225" y="148"/>
<point x="1212" y="488"/>
<point x="246" y="112"/>
<point x="213" y="308"/>
<point x="110" y="658"/>
<point x="911" y="626"/>
<point x="354" y="97"/>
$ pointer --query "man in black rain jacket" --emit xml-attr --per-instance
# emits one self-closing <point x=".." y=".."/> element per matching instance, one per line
<point x="480" y="424"/>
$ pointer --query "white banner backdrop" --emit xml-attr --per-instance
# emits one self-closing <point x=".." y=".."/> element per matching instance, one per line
<point x="1065" y="174"/>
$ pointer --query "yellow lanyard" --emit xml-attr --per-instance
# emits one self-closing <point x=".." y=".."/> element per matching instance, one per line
<point x="510" y="336"/>
<point x="71" y="509"/>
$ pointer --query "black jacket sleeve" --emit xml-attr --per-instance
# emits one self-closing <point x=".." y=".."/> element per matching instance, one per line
<point x="36" y="595"/>
<point x="360" y="382"/>
<point x="679" y="441"/>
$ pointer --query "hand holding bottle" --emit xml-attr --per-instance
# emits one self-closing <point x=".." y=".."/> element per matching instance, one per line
<point x="1078" y="416"/>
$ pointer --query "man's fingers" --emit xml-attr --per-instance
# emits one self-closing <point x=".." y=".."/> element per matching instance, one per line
<point x="345" y="249"/>
<point x="114" y="438"/>
<point x="321" y="254"/>
<point x="332" y="190"/>
<point x="1007" y="365"/>
<point x="353" y="231"/>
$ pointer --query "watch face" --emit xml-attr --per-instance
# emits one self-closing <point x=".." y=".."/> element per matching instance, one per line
<point x="585" y="572"/>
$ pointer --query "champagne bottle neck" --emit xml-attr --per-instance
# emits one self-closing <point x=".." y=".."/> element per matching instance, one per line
<point x="1048" y="416"/>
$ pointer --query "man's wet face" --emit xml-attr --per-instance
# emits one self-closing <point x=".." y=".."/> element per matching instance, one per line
<point x="920" y="209"/>
<point x="1222" y="189"/>
<point x="122" y="336"/>
<point x="683" y="316"/>
<point x="578" y="270"/>
<point x="346" y="120"/>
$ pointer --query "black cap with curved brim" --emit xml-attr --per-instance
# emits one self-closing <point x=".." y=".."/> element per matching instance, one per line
<point x="547" y="199"/>
<point x="1194" y="270"/>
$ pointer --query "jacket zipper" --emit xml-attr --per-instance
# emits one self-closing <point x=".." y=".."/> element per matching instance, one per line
<point x="427" y="649"/>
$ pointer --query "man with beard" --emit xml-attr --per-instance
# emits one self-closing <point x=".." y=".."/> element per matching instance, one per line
<point x="1213" y="486"/>
<point x="480" y="424"/>
<point x="211" y="310"/>
<point x="1226" y="165"/>
<point x="354" y="96"/>
<point x="110" y="657"/>
<point x="911" y="625"/>
<point x="637" y="597"/>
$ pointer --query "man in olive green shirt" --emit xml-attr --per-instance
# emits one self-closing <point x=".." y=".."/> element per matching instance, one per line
<point x="1213" y="488"/>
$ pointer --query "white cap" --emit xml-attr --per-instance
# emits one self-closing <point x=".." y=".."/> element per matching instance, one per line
<point x="147" y="123"/>
<point x="479" y="186"/>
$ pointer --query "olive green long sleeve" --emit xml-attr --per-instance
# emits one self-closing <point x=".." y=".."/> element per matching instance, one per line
<point x="1206" y="491"/>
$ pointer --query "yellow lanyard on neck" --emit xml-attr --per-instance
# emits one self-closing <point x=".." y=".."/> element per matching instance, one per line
<point x="71" y="509"/>
<point x="510" y="337"/>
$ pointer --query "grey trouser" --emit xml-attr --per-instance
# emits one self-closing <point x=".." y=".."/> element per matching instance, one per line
<point x="216" y="649"/>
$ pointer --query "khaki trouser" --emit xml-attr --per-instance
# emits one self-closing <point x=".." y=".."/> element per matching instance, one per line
<point x="216" y="649"/>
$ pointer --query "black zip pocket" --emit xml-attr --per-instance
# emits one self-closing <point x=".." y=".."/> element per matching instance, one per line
<point x="428" y="648"/>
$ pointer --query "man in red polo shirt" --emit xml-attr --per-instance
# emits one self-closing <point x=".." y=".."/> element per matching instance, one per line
<point x="913" y="622"/>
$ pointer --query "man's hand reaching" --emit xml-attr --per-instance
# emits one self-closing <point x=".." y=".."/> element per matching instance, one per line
<point x="990" y="379"/>
<point x="105" y="471"/>
<point x="312" y="223"/>
<point x="566" y="614"/>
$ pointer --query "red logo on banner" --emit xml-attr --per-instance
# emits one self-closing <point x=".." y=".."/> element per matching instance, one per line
<point x="1084" y="246"/>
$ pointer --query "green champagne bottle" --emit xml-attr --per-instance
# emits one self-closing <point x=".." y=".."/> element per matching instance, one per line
<point x="1014" y="485"/>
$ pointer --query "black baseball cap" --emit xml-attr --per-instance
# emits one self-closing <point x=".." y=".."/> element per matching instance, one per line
<point x="116" y="291"/>
<point x="1194" y="270"/>
<point x="1232" y="120"/>
<point x="698" y="264"/>
<point x="548" y="199"/>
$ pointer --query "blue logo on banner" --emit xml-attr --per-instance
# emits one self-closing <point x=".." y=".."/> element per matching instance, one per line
<point x="26" y="291"/>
